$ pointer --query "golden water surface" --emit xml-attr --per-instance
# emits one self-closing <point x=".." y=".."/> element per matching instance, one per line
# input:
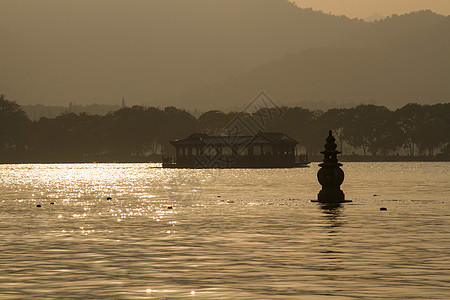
<point x="223" y="234"/>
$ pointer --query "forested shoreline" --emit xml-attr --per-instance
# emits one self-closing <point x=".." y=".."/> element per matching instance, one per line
<point x="141" y="134"/>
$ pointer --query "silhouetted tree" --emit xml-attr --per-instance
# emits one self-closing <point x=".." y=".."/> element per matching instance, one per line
<point x="371" y="128"/>
<point x="408" y="117"/>
<point x="299" y="123"/>
<point x="430" y="134"/>
<point x="213" y="122"/>
<point x="335" y="119"/>
<point x="177" y="123"/>
<point x="14" y="128"/>
<point x="138" y="133"/>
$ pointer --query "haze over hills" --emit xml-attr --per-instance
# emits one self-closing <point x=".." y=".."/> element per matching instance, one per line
<point x="152" y="52"/>
<point x="99" y="51"/>
<point x="374" y="17"/>
<point x="412" y="68"/>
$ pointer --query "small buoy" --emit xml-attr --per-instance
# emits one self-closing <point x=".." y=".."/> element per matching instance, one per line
<point x="169" y="207"/>
<point x="383" y="208"/>
<point x="38" y="205"/>
<point x="108" y="198"/>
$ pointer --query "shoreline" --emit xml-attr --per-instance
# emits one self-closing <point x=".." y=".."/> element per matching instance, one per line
<point x="153" y="161"/>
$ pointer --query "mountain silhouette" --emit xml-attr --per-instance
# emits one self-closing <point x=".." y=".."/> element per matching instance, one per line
<point x="151" y="52"/>
<point x="414" y="67"/>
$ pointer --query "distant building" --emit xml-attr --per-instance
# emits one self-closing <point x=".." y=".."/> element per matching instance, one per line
<point x="263" y="150"/>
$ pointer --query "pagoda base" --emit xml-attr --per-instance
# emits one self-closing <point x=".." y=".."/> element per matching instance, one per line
<point x="331" y="196"/>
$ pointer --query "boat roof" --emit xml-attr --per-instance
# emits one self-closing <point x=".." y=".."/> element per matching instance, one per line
<point x="259" y="138"/>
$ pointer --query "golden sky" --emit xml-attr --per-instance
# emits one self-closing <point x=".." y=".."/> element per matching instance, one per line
<point x="366" y="8"/>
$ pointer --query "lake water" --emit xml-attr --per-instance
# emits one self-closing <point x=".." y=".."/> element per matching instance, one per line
<point x="223" y="234"/>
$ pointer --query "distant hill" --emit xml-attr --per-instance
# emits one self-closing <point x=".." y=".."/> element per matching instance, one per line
<point x="37" y="111"/>
<point x="99" y="51"/>
<point x="152" y="51"/>
<point x="391" y="28"/>
<point x="415" y="67"/>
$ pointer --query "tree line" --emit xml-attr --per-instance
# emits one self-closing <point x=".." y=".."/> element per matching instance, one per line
<point x="142" y="133"/>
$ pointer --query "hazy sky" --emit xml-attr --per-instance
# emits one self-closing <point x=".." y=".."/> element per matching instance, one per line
<point x="366" y="8"/>
<point x="98" y="51"/>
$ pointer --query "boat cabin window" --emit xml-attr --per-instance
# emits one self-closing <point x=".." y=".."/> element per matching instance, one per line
<point x="227" y="151"/>
<point x="256" y="150"/>
<point x="267" y="149"/>
<point x="276" y="150"/>
<point x="288" y="151"/>
<point x="211" y="151"/>
<point x="242" y="151"/>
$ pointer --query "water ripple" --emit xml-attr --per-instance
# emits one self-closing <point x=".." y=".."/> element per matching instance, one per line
<point x="136" y="231"/>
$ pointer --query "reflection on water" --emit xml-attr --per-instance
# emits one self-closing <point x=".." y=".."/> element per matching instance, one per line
<point x="228" y="234"/>
<point x="332" y="212"/>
